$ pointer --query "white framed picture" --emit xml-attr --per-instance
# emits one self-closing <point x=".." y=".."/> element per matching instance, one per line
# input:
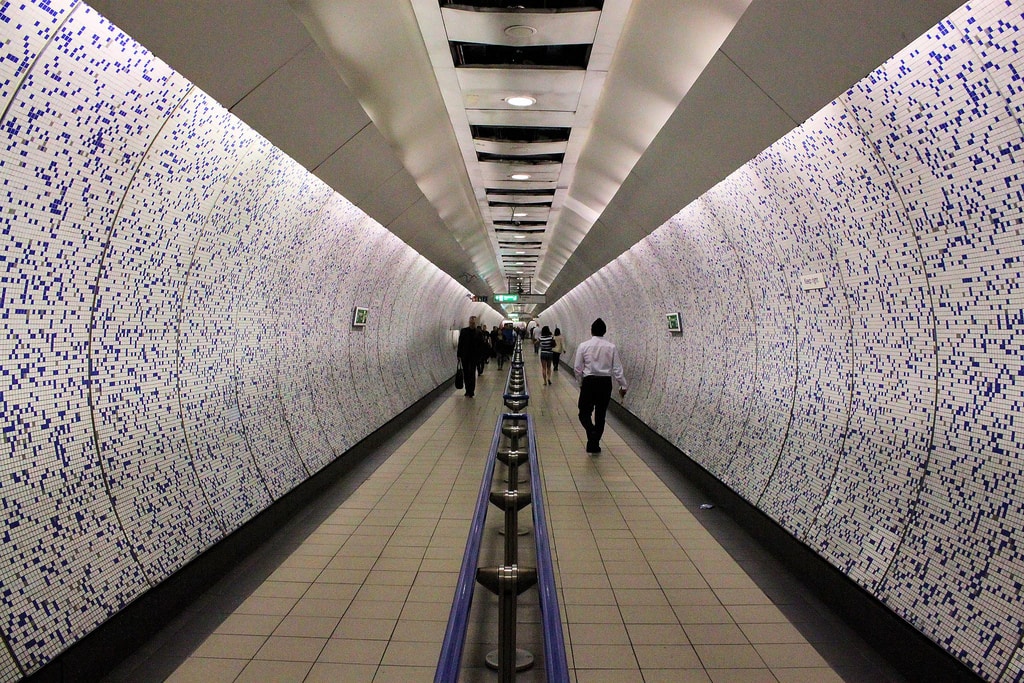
<point x="674" y="322"/>
<point x="359" y="316"/>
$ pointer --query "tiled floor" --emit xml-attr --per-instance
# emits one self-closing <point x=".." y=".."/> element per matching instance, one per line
<point x="652" y="588"/>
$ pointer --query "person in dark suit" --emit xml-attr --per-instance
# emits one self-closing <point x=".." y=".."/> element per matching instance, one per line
<point x="468" y="352"/>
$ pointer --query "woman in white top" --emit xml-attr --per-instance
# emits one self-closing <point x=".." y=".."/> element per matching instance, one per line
<point x="557" y="349"/>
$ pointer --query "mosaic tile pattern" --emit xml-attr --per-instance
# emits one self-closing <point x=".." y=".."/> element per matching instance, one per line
<point x="134" y="336"/>
<point x="965" y="208"/>
<point x="794" y="190"/>
<point x="761" y="242"/>
<point x="177" y="342"/>
<point x="901" y="461"/>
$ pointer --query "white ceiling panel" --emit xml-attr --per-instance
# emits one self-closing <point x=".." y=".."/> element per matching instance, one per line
<point x="514" y="28"/>
<point x="537" y="172"/>
<point x="554" y="89"/>
<point x="519" y="148"/>
<point x="520" y="117"/>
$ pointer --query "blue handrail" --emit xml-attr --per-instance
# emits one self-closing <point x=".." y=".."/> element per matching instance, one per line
<point x="555" y="663"/>
<point x="450" y="660"/>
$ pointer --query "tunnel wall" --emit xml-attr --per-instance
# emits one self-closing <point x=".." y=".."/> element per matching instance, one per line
<point x="876" y="419"/>
<point x="178" y="348"/>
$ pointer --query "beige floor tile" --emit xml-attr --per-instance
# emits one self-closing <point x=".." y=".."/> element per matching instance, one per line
<point x="598" y="634"/>
<point x="676" y="676"/>
<point x="702" y="614"/>
<point x="757" y="614"/>
<point x="307" y="626"/>
<point x="715" y="634"/>
<point x="641" y="597"/>
<point x="414" y="654"/>
<point x="369" y="609"/>
<point x="339" y="650"/>
<point x="608" y="676"/>
<point x="249" y="624"/>
<point x="809" y="675"/>
<point x="742" y="596"/>
<point x="420" y="631"/>
<point x="648" y="614"/>
<point x="320" y="608"/>
<point x="790" y="655"/>
<point x="772" y="633"/>
<point x="207" y="670"/>
<point x="258" y="671"/>
<point x="657" y="634"/>
<point x="405" y="674"/>
<point x="666" y="657"/>
<point x="588" y="596"/>
<point x="280" y="589"/>
<point x="340" y="575"/>
<point x="603" y="657"/>
<point x="331" y="590"/>
<point x="683" y="597"/>
<point x="266" y="606"/>
<point x="296" y="574"/>
<point x="729" y="656"/>
<point x="291" y="649"/>
<point x="230" y="646"/>
<point x="742" y="676"/>
<point x="592" y="614"/>
<point x="329" y="672"/>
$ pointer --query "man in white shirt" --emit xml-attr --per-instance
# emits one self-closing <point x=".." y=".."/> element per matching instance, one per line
<point x="595" y="364"/>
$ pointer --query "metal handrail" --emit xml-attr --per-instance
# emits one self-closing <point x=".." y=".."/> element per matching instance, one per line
<point x="450" y="660"/>
<point x="555" y="663"/>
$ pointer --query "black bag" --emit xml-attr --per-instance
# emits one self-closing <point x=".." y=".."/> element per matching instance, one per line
<point x="460" y="380"/>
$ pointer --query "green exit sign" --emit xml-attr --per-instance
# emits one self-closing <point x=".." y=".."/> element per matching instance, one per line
<point x="506" y="298"/>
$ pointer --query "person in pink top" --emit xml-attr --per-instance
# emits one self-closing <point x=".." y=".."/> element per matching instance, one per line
<point x="596" y="363"/>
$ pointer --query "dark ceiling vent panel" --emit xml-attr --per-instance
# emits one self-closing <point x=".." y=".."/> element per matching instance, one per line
<point x="524" y="5"/>
<point x="522" y="158"/>
<point x="519" y="205"/>
<point x="520" y="223"/>
<point x="520" y="133"/>
<point x="521" y="193"/>
<point x="520" y="57"/>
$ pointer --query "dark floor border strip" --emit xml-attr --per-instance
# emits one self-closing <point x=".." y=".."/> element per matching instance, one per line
<point x="905" y="648"/>
<point x="98" y="652"/>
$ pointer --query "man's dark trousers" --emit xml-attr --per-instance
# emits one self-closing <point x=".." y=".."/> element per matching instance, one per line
<point x="595" y="394"/>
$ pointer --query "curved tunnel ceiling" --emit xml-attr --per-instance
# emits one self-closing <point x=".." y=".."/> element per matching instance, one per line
<point x="640" y="107"/>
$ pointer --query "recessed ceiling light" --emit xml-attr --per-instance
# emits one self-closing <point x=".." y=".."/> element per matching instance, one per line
<point x="519" y="214"/>
<point x="519" y="31"/>
<point x="521" y="100"/>
<point x="520" y="176"/>
<point x="520" y="237"/>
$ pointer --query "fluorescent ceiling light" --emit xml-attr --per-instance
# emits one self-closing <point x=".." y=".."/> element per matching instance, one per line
<point x="520" y="176"/>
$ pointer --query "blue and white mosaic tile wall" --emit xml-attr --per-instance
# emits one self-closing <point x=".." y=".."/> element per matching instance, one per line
<point x="877" y="419"/>
<point x="176" y="347"/>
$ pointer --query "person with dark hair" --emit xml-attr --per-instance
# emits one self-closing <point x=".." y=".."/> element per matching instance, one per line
<point x="547" y="342"/>
<point x="557" y="349"/>
<point x="468" y="352"/>
<point x="595" y="364"/>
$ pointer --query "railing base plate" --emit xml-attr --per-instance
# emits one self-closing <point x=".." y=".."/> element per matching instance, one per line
<point x="524" y="660"/>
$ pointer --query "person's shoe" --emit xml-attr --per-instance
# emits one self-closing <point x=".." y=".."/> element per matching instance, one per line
<point x="469" y="395"/>
<point x="591" y="448"/>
